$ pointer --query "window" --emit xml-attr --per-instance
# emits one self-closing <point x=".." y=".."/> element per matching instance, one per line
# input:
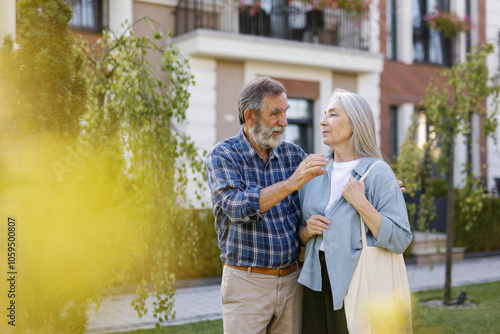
<point x="468" y="42"/>
<point x="393" y="131"/>
<point x="300" y="127"/>
<point x="429" y="45"/>
<point x="89" y="15"/>
<point x="391" y="19"/>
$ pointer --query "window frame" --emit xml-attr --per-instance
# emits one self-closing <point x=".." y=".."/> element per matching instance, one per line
<point x="425" y="35"/>
<point x="392" y="34"/>
<point x="307" y="123"/>
<point x="99" y="11"/>
<point x="393" y="131"/>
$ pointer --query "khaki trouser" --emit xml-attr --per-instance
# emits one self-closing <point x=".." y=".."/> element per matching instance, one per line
<point x="260" y="303"/>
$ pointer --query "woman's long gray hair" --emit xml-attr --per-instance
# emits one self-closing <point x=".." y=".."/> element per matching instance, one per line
<point x="363" y="141"/>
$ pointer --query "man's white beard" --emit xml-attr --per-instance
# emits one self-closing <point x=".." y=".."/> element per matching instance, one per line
<point x="263" y="136"/>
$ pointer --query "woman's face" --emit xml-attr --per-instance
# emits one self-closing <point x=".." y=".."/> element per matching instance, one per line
<point x="336" y="128"/>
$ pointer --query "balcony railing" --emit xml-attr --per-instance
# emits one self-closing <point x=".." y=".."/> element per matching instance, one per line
<point x="274" y="19"/>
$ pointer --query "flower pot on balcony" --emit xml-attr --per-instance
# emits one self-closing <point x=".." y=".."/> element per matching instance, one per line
<point x="448" y="23"/>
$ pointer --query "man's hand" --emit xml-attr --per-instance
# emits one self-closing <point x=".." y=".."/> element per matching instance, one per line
<point x="400" y="184"/>
<point x="308" y="169"/>
<point x="311" y="167"/>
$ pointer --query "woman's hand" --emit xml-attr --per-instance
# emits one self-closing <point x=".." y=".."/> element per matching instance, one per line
<point x="354" y="191"/>
<point x="315" y="225"/>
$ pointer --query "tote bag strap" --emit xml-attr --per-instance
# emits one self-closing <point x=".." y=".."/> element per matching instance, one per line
<point x="363" y="234"/>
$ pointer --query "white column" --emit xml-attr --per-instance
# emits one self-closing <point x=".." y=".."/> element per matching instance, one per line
<point x="7" y="18"/>
<point x="460" y="160"/>
<point x="201" y="114"/>
<point x="119" y="12"/>
<point x="405" y="113"/>
<point x="404" y="31"/>
<point x="460" y="40"/>
<point x="369" y="89"/>
<point x="375" y="27"/>
<point x="476" y="148"/>
<point x="474" y="16"/>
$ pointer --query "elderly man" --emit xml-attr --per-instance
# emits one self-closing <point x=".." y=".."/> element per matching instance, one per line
<point x="254" y="177"/>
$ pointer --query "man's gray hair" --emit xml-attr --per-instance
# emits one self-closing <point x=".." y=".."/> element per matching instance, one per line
<point x="364" y="140"/>
<point x="253" y="93"/>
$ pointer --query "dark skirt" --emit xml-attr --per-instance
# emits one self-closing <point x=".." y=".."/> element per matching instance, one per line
<point x="318" y="315"/>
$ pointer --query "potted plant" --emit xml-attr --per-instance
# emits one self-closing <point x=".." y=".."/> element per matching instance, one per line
<point x="448" y="22"/>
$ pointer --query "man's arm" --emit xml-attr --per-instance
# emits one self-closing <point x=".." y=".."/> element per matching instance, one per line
<point x="230" y="194"/>
<point x="240" y="203"/>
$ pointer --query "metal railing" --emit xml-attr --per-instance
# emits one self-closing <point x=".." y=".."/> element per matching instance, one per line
<point x="278" y="19"/>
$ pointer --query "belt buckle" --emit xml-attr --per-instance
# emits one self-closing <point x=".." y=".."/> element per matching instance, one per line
<point x="278" y="270"/>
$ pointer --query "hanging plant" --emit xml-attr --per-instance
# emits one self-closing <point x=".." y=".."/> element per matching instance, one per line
<point x="448" y="22"/>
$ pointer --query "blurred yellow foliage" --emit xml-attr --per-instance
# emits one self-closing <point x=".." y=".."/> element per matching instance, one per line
<point x="70" y="239"/>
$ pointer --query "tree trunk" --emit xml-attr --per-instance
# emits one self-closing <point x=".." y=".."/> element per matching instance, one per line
<point x="449" y="219"/>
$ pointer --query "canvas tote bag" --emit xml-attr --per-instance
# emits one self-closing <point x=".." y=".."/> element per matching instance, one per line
<point x="378" y="297"/>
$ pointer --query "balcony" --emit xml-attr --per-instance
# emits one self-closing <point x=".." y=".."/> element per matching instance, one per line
<point x="273" y="19"/>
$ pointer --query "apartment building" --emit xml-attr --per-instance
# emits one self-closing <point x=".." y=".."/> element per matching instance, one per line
<point x="413" y="54"/>
<point x="388" y="56"/>
<point x="492" y="32"/>
<point x="311" y="52"/>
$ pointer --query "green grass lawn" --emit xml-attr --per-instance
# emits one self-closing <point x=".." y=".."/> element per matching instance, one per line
<point x="485" y="319"/>
<point x="201" y="327"/>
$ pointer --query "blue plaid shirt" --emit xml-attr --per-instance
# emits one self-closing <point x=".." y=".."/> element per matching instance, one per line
<point x="235" y="174"/>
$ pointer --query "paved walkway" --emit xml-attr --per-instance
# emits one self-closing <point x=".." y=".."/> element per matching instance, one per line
<point x="203" y="303"/>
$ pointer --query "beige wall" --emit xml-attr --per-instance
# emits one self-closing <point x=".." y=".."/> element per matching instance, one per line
<point x="300" y="88"/>
<point x="230" y="79"/>
<point x="345" y="81"/>
<point x="161" y="13"/>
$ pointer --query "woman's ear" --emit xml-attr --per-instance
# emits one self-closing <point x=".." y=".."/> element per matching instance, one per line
<point x="249" y="117"/>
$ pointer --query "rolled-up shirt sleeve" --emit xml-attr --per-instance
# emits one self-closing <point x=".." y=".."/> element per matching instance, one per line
<point x="303" y="219"/>
<point x="395" y="233"/>
<point x="230" y="193"/>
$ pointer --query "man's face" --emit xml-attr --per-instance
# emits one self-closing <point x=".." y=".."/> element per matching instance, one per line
<point x="270" y="126"/>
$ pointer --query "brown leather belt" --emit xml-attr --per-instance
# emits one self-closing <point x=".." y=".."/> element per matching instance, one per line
<point x="278" y="272"/>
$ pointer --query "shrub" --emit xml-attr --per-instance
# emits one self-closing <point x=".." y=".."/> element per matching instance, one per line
<point x="482" y="235"/>
<point x="205" y="252"/>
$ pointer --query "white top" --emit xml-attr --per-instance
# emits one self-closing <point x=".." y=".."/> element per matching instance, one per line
<point x="340" y="175"/>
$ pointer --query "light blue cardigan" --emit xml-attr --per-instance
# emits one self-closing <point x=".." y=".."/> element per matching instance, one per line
<point x="343" y="238"/>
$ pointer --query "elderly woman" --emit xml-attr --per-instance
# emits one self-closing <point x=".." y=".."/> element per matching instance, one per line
<point x="331" y="207"/>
